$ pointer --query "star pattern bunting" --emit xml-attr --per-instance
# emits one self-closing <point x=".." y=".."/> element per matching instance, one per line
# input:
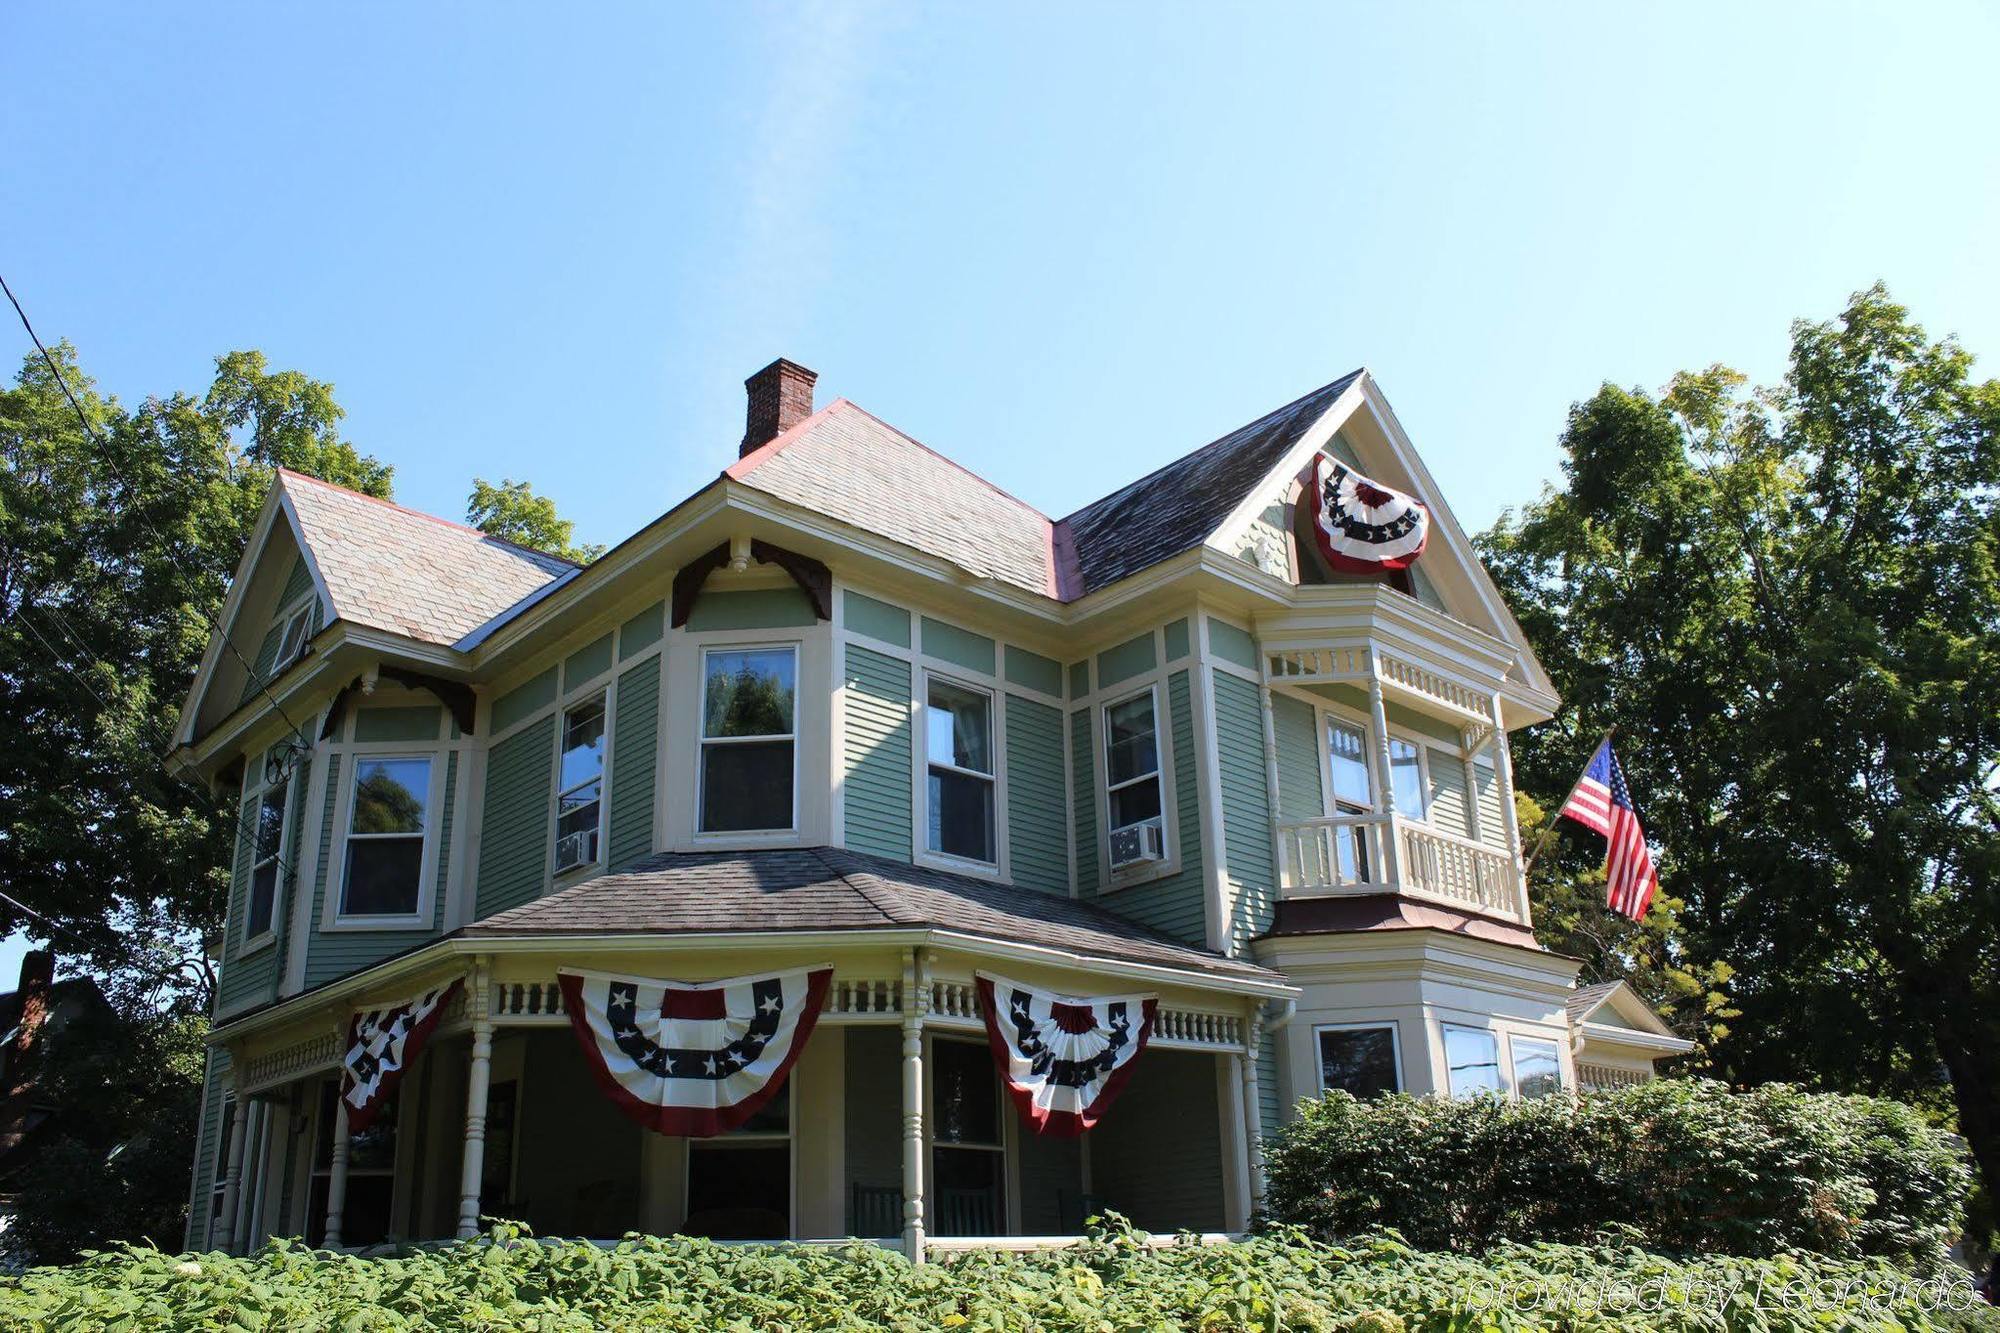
<point x="381" y="1044"/>
<point x="1064" y="1059"/>
<point x="1363" y="527"/>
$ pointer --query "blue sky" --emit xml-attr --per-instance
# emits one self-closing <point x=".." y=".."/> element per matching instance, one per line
<point x="1060" y="244"/>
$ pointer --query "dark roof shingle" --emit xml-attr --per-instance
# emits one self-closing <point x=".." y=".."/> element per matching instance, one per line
<point x="830" y="888"/>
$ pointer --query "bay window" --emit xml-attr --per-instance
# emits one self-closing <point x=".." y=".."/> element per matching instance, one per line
<point x="1359" y="1060"/>
<point x="580" y="786"/>
<point x="1537" y="1068"/>
<point x="388" y="820"/>
<point x="748" y="739"/>
<point x="1472" y="1062"/>
<point x="958" y="731"/>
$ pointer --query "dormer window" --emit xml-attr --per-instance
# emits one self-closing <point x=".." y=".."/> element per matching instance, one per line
<point x="748" y="740"/>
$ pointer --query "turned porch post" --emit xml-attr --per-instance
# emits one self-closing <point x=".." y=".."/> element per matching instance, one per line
<point x="916" y="1003"/>
<point x="478" y="1078"/>
<point x="336" y="1180"/>
<point x="1253" y="1109"/>
<point x="232" y="1182"/>
<point x="1378" y="716"/>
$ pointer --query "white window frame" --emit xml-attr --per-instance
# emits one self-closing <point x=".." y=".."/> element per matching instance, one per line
<point x="1371" y="1025"/>
<point x="1113" y="879"/>
<point x="1159" y="774"/>
<point x="737" y="1139"/>
<point x="219" y="1177"/>
<point x="1326" y="711"/>
<point x="250" y="816"/>
<point x="336" y="892"/>
<point x="1500" y="1057"/>
<point x="702" y="740"/>
<point x="996" y="746"/>
<point x="1513" y="1070"/>
<point x="299" y="614"/>
<point x="1003" y="1124"/>
<point x="557" y="870"/>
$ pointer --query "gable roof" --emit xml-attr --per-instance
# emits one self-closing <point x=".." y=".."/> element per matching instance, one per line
<point x="1583" y="1002"/>
<point x="831" y="888"/>
<point x="411" y="573"/>
<point x="1176" y="508"/>
<point x="852" y="466"/>
<point x="1634" y="1016"/>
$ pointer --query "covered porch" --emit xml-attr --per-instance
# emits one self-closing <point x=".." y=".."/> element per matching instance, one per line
<point x="893" y="1125"/>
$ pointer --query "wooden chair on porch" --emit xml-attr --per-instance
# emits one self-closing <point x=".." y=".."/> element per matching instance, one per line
<point x="875" y="1212"/>
<point x="967" y="1212"/>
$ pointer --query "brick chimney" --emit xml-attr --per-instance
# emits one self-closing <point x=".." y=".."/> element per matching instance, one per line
<point x="781" y="396"/>
<point x="17" y="1062"/>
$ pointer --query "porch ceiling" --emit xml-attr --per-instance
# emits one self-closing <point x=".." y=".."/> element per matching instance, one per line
<point x="818" y="889"/>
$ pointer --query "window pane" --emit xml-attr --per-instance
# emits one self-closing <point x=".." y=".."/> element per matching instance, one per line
<point x="1358" y="1060"/>
<point x="1408" y="778"/>
<point x="583" y="744"/>
<point x="1537" y="1068"/>
<point x="966" y="1198"/>
<point x="1347" y="755"/>
<point x="961" y="811"/>
<point x="746" y="786"/>
<point x="739" y="1193"/>
<point x="263" y="894"/>
<point x="577" y="820"/>
<point x="270" y="822"/>
<point x="960" y="724"/>
<point x="749" y="692"/>
<point x="1473" y="1058"/>
<point x="1130" y="745"/>
<point x="390" y="795"/>
<point x="965" y="1093"/>
<point x="382" y="875"/>
<point x="1135" y="804"/>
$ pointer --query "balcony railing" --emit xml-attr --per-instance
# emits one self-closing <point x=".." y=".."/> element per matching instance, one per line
<point x="1352" y="854"/>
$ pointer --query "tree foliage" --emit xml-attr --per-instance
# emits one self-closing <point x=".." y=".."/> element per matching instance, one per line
<point x="513" y="512"/>
<point x="1786" y="600"/>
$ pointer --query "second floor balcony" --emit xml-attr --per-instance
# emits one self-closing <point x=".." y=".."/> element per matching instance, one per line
<point x="1351" y="854"/>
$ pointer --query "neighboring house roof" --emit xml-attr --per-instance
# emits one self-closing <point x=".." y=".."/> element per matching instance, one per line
<point x="1179" y="506"/>
<point x="849" y="465"/>
<point x="829" y="888"/>
<point x="411" y="573"/>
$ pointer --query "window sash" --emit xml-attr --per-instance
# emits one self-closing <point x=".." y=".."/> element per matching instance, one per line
<point x="1320" y="1036"/>
<point x="587" y="840"/>
<point x="419" y="835"/>
<point x="260" y="899"/>
<point x="1154" y="775"/>
<point x="710" y="654"/>
<point x="294" y="638"/>
<point x="937" y="688"/>
<point x="1490" y="1060"/>
<point x="702" y="828"/>
<point x="1406" y="762"/>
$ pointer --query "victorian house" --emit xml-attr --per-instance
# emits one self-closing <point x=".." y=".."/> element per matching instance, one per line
<point x="1219" y="809"/>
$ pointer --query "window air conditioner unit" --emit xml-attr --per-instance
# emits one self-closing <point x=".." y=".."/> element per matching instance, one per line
<point x="1137" y="843"/>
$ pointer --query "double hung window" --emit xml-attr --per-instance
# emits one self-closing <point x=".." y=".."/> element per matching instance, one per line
<point x="958" y="731"/>
<point x="748" y="739"/>
<point x="1353" y="794"/>
<point x="1132" y="762"/>
<point x="968" y="1152"/>
<point x="739" y="1184"/>
<point x="1406" y="778"/>
<point x="580" y="786"/>
<point x="388" y="818"/>
<point x="266" y="861"/>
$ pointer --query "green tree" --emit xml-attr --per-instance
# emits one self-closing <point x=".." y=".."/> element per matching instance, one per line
<point x="1787" y="601"/>
<point x="513" y="512"/>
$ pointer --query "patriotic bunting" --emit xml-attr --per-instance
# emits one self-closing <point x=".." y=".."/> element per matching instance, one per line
<point x="1064" y="1059"/>
<point x="1362" y="526"/>
<point x="693" y="1060"/>
<point x="381" y="1044"/>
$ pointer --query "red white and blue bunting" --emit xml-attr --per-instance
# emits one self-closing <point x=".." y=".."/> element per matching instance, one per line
<point x="693" y="1059"/>
<point x="1065" y="1059"/>
<point x="381" y="1044"/>
<point x="1362" y="526"/>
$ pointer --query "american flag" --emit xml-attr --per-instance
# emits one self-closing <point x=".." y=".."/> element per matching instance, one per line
<point x="1603" y="802"/>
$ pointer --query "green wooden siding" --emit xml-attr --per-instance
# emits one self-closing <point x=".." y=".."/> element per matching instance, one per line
<point x="875" y="770"/>
<point x="1232" y="644"/>
<point x="1246" y="808"/>
<point x="335" y="953"/>
<point x="1300" y="795"/>
<point x="587" y="663"/>
<point x="634" y="759"/>
<point x="862" y="614"/>
<point x="1033" y="670"/>
<point x="207" y="1138"/>
<point x="1083" y="801"/>
<point x="524" y="700"/>
<point x="396" y="724"/>
<point x="752" y="608"/>
<point x="1177" y="639"/>
<point x="514" y="830"/>
<point x="949" y="643"/>
<point x="1172" y="1100"/>
<point x="1446" y="794"/>
<point x="1037" y="842"/>
<point x="260" y="668"/>
<point x="1270" y="1104"/>
<point x="1130" y="658"/>
<point x="254" y="979"/>
<point x="641" y="631"/>
<point x="1176" y="903"/>
<point x="1492" y="828"/>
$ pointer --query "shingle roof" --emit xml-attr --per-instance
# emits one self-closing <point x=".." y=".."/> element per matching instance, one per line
<point x="1586" y="998"/>
<point x="829" y="888"/>
<point x="849" y="465"/>
<point x="396" y="569"/>
<point x="1177" y="507"/>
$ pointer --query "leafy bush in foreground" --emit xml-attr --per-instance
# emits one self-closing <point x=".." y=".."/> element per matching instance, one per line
<point x="1680" y="1165"/>
<point x="1108" y="1284"/>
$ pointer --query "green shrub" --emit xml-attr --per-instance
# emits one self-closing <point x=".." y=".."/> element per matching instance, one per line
<point x="1110" y="1284"/>
<point x="1680" y="1166"/>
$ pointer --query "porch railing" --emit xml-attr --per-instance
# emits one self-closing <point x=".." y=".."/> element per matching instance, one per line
<point x="1345" y="854"/>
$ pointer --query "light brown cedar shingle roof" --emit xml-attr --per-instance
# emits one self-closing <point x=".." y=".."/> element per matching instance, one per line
<point x="846" y="464"/>
<point x="1586" y="998"/>
<point x="395" y="569"/>
<point x="829" y="888"/>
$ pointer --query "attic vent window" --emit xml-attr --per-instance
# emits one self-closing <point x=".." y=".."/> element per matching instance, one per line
<point x="298" y="627"/>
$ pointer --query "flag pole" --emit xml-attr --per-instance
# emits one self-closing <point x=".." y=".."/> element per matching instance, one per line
<point x="1548" y="826"/>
